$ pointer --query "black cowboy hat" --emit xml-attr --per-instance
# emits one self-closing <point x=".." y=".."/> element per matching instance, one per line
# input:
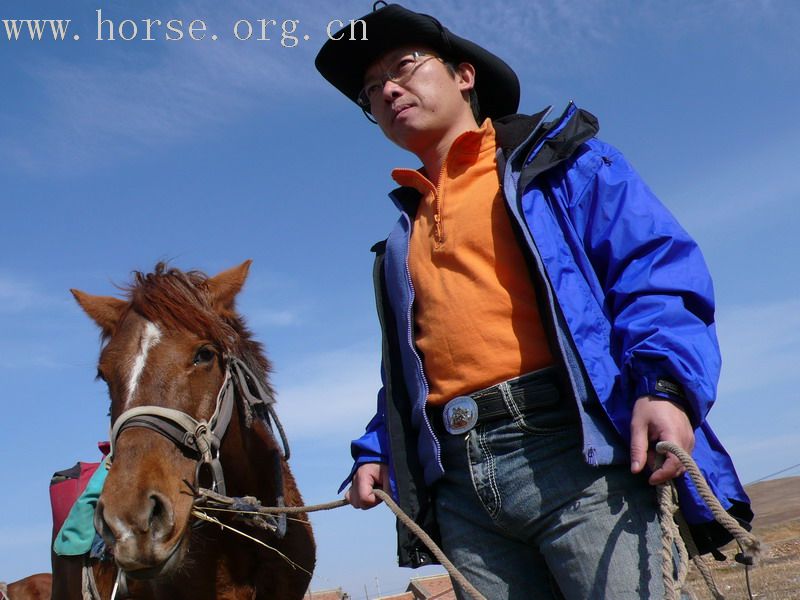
<point x="343" y="61"/>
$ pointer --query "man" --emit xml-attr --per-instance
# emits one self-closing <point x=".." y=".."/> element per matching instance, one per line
<point x="544" y="319"/>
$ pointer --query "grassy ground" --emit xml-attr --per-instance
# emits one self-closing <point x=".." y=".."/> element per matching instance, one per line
<point x="775" y="577"/>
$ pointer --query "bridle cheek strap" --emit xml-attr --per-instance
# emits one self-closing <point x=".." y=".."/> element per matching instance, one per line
<point x="201" y="438"/>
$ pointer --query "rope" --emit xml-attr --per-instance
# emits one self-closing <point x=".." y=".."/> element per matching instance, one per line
<point x="686" y="540"/>
<point x="201" y="515"/>
<point x="705" y="571"/>
<point x="748" y="543"/>
<point x="426" y="539"/>
<point x="204" y="495"/>
<point x="88" y="585"/>
<point x="670" y="527"/>
<point x="670" y="534"/>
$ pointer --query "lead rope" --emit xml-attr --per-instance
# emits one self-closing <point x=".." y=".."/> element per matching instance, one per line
<point x="398" y="512"/>
<point x="426" y="539"/>
<point x="670" y="519"/>
<point x="749" y="545"/>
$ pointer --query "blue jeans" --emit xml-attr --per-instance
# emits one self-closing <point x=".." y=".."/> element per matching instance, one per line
<point x="523" y="516"/>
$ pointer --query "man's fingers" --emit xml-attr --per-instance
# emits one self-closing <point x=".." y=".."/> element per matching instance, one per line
<point x="671" y="469"/>
<point x="639" y="445"/>
<point x="360" y="494"/>
<point x="368" y="498"/>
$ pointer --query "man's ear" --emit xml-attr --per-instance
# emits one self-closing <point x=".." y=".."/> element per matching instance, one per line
<point x="465" y="76"/>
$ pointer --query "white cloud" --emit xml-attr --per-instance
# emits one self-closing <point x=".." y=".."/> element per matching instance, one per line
<point x="331" y="393"/>
<point x="782" y="445"/>
<point x="760" y="456"/>
<point x="18" y="295"/>
<point x="132" y="96"/>
<point x="738" y="186"/>
<point x="144" y="94"/>
<point x="28" y="356"/>
<point x="267" y="317"/>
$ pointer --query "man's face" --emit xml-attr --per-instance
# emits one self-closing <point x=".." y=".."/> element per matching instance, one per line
<point x="417" y="111"/>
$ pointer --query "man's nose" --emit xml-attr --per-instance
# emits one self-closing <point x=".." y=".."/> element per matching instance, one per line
<point x="391" y="89"/>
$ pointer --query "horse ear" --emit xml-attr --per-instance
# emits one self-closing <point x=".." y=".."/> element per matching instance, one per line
<point x="104" y="310"/>
<point x="224" y="286"/>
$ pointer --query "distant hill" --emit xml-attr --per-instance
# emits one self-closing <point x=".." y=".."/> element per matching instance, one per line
<point x="775" y="501"/>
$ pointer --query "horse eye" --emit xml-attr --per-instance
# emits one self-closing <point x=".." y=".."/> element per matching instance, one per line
<point x="203" y="355"/>
<point x="100" y="376"/>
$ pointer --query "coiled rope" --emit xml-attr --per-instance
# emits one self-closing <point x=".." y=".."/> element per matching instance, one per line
<point x="749" y="545"/>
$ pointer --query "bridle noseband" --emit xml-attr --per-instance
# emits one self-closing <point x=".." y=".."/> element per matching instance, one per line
<point x="203" y="438"/>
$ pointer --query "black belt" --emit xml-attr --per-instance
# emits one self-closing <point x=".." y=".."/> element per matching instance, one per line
<point x="532" y="391"/>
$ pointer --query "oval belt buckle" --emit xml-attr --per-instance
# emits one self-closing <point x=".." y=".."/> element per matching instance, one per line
<point x="460" y="415"/>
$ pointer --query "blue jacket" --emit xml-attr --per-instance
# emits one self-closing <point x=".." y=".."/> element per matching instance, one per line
<point x="625" y="297"/>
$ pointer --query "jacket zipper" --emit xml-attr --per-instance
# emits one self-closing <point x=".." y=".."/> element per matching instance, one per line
<point x="420" y="370"/>
<point x="536" y="256"/>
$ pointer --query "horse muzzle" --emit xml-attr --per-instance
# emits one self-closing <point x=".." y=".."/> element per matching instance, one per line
<point x="143" y="539"/>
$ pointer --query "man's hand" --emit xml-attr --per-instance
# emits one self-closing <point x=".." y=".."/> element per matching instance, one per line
<point x="368" y="476"/>
<point x="659" y="420"/>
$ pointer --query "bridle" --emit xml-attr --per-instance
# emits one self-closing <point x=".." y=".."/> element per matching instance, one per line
<point x="203" y="438"/>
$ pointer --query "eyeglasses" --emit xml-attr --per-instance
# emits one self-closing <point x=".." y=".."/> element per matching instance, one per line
<point x="400" y="73"/>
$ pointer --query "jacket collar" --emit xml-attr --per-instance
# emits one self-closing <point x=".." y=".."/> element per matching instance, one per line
<point x="513" y="130"/>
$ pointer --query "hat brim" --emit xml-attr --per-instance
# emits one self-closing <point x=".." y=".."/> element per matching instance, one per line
<point x="345" y="57"/>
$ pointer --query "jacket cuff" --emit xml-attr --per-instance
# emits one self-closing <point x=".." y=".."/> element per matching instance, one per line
<point x="366" y="449"/>
<point x="667" y="388"/>
<point x="361" y="460"/>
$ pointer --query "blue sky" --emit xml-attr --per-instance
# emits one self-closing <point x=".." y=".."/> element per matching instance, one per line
<point x="115" y="155"/>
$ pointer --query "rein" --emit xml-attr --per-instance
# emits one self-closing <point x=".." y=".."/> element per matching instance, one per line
<point x="203" y="438"/>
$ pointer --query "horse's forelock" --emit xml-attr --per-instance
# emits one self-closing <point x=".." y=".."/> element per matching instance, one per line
<point x="182" y="300"/>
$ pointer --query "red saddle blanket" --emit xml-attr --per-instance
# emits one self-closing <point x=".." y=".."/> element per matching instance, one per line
<point x="67" y="485"/>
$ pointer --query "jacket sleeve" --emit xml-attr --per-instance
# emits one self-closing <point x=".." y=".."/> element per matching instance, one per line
<point x="657" y="290"/>
<point x="372" y="446"/>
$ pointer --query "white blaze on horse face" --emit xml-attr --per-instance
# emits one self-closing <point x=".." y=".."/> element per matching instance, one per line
<point x="150" y="337"/>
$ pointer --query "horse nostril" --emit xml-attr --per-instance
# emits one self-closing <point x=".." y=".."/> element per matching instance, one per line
<point x="102" y="527"/>
<point x="161" y="519"/>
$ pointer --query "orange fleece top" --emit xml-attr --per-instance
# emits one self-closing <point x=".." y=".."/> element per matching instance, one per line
<point x="476" y="318"/>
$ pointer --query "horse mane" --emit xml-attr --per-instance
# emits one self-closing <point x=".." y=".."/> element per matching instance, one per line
<point x="182" y="300"/>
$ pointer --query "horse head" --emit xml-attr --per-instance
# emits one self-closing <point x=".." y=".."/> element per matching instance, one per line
<point x="167" y="352"/>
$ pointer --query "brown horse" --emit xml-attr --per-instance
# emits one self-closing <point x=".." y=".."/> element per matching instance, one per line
<point x="34" y="587"/>
<point x="190" y="408"/>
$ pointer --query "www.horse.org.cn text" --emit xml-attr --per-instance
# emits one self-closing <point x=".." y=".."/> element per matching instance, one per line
<point x="285" y="32"/>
